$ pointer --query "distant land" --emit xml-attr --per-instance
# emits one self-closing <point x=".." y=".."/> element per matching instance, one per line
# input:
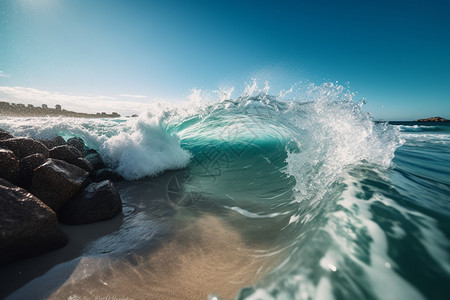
<point x="433" y="119"/>
<point x="22" y="110"/>
<point x="427" y="120"/>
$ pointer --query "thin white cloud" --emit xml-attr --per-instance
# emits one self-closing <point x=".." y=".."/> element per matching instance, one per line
<point x="3" y="74"/>
<point x="78" y="103"/>
<point x="132" y="96"/>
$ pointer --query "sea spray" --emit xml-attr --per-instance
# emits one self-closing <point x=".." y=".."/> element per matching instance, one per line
<point x="145" y="149"/>
<point x="334" y="134"/>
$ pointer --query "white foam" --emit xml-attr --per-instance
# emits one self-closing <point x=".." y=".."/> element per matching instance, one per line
<point x="252" y="215"/>
<point x="385" y="281"/>
<point x="135" y="148"/>
<point x="334" y="132"/>
<point x="324" y="290"/>
<point x="144" y="149"/>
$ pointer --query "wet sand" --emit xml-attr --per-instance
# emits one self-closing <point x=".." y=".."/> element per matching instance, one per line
<point x="149" y="253"/>
<point x="205" y="257"/>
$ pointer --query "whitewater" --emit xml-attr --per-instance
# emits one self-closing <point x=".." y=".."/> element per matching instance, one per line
<point x="304" y="194"/>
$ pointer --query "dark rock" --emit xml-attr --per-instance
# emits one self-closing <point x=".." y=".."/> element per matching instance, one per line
<point x="27" y="226"/>
<point x="77" y="143"/>
<point x="57" y="141"/>
<point x="66" y="153"/>
<point x="23" y="147"/>
<point x="9" y="165"/>
<point x="27" y="166"/>
<point x="97" y="202"/>
<point x="55" y="182"/>
<point x="48" y="143"/>
<point x="95" y="160"/>
<point x="106" y="174"/>
<point x="72" y="156"/>
<point x="91" y="151"/>
<point x="4" y="135"/>
<point x="84" y="164"/>
<point x="4" y="182"/>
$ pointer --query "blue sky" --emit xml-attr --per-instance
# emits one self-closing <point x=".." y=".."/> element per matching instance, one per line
<point x="393" y="53"/>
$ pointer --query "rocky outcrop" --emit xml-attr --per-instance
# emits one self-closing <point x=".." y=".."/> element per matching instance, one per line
<point x="9" y="165"/>
<point x="66" y="153"/>
<point x="433" y="119"/>
<point x="56" y="181"/>
<point x="57" y="141"/>
<point x="77" y="143"/>
<point x="97" y="202"/>
<point x="56" y="189"/>
<point x="27" y="226"/>
<point x="72" y="156"/>
<point x="95" y="160"/>
<point x="106" y="174"/>
<point x="23" y="147"/>
<point x="5" y="135"/>
<point x="27" y="166"/>
<point x="84" y="164"/>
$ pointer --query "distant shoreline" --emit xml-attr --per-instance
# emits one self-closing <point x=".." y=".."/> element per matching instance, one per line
<point x="22" y="110"/>
<point x="433" y="120"/>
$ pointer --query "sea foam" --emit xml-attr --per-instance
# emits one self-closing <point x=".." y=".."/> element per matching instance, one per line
<point x="146" y="148"/>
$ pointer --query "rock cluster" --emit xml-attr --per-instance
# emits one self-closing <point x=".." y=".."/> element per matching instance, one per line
<point x="44" y="183"/>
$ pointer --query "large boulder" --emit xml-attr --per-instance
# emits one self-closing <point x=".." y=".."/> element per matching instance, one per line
<point x="77" y="143"/>
<point x="23" y="147"/>
<point x="5" y="135"/>
<point x="57" y="141"/>
<point x="84" y="164"/>
<point x="71" y="155"/>
<point x="27" y="166"/>
<point x="56" y="181"/>
<point x="95" y="160"/>
<point x="97" y="202"/>
<point x="9" y="165"/>
<point x="106" y="174"/>
<point x="27" y="226"/>
<point x="67" y="153"/>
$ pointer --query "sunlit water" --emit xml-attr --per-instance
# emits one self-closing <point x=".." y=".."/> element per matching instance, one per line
<point x="316" y="200"/>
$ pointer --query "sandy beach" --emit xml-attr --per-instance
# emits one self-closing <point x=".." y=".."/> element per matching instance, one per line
<point x="153" y="251"/>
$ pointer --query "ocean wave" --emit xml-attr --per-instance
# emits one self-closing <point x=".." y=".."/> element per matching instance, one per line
<point x="322" y="126"/>
<point x="311" y="169"/>
<point x="421" y="128"/>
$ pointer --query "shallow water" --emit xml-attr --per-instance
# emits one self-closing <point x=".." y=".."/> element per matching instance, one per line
<point x="159" y="251"/>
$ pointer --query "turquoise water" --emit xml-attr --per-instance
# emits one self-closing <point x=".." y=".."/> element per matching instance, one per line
<point x="352" y="209"/>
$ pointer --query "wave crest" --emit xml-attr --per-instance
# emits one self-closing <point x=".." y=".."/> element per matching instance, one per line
<point x="145" y="148"/>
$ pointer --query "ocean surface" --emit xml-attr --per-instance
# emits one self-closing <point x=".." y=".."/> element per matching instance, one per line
<point x="341" y="206"/>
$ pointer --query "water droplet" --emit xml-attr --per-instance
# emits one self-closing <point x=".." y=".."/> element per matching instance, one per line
<point x="332" y="267"/>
